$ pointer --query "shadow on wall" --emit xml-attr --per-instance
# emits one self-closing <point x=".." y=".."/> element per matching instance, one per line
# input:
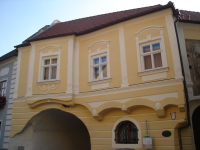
<point x="52" y="129"/>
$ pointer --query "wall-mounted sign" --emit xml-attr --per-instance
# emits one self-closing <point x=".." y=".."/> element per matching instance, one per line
<point x="166" y="133"/>
<point x="147" y="142"/>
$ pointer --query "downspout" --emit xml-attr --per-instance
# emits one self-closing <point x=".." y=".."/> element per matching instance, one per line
<point x="184" y="83"/>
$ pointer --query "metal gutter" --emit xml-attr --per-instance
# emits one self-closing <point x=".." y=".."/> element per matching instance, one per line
<point x="177" y="15"/>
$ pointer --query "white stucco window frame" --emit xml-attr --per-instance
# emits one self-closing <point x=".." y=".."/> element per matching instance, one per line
<point x="118" y="145"/>
<point x="49" y="55"/>
<point x="3" y="80"/>
<point x="91" y="56"/>
<point x="151" y="40"/>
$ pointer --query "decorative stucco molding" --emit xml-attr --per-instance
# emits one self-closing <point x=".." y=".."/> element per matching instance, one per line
<point x="51" y="46"/>
<point x="149" y="28"/>
<point x="99" y="42"/>
<point x="48" y="87"/>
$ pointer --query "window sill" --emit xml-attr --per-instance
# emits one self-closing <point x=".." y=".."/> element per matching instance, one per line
<point x="105" y="80"/>
<point x="144" y="73"/>
<point x="49" y="82"/>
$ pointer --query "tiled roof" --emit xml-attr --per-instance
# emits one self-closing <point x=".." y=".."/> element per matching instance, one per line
<point x="90" y="24"/>
<point x="194" y="16"/>
<point x="9" y="55"/>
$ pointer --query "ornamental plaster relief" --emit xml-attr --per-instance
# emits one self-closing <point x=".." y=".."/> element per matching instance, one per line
<point x="48" y="87"/>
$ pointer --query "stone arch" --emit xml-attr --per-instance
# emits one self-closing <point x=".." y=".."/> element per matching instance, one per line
<point x="53" y="129"/>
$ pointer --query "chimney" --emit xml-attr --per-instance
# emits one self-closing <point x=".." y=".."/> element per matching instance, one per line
<point x="182" y="16"/>
<point x="188" y="17"/>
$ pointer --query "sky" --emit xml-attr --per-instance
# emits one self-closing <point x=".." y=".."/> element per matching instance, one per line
<point x="19" y="19"/>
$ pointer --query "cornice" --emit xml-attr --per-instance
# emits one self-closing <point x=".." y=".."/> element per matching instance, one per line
<point x="131" y="88"/>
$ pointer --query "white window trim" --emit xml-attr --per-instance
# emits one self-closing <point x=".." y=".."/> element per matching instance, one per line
<point x="147" y="41"/>
<point x="3" y="80"/>
<point x="49" y="55"/>
<point x="118" y="145"/>
<point x="90" y="58"/>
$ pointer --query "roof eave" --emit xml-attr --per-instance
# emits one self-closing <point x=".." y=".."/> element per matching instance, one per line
<point x="190" y="21"/>
<point x="168" y="5"/>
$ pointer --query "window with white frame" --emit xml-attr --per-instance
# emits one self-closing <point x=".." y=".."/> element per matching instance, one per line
<point x="3" y="85"/>
<point x="99" y="67"/>
<point x="151" y="55"/>
<point x="49" y="68"/>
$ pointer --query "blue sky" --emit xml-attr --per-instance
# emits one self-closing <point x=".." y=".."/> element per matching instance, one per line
<point x="19" y="19"/>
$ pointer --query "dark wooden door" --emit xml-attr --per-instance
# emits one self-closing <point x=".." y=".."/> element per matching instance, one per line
<point x="196" y="127"/>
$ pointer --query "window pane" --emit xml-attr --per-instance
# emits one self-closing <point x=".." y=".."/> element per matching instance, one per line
<point x="3" y="85"/>
<point x="126" y="132"/>
<point x="157" y="60"/>
<point x="96" y="72"/>
<point x="103" y="59"/>
<point x="103" y="71"/>
<point x="46" y="73"/>
<point x="54" y="61"/>
<point x="2" y="92"/>
<point x="95" y="61"/>
<point x="147" y="62"/>
<point x="156" y="46"/>
<point x="146" y="49"/>
<point x="47" y="62"/>
<point x="53" y="72"/>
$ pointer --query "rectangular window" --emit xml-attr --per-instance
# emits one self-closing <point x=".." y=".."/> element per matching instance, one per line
<point x="3" y="85"/>
<point x="152" y="56"/>
<point x="49" y="68"/>
<point x="99" y="67"/>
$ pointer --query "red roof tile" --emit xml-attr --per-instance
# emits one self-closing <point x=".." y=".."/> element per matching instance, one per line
<point x="90" y="24"/>
<point x="194" y="16"/>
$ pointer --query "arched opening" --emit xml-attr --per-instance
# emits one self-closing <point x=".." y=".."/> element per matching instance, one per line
<point x="54" y="129"/>
<point x="196" y="126"/>
<point x="126" y="132"/>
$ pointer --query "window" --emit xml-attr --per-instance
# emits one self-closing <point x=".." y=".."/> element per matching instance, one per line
<point x="49" y="67"/>
<point x="99" y="67"/>
<point x="151" y="56"/>
<point x="3" y="88"/>
<point x="126" y="133"/>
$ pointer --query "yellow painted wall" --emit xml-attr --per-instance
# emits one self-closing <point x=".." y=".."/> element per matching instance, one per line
<point x="115" y="65"/>
<point x="62" y="86"/>
<point x="131" y="49"/>
<point x="100" y="131"/>
<point x="191" y="34"/>
<point x="23" y="76"/>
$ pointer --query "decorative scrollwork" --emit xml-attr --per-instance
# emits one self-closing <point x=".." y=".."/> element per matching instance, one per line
<point x="48" y="87"/>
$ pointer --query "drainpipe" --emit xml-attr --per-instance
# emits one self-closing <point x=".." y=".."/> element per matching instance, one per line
<point x="184" y="83"/>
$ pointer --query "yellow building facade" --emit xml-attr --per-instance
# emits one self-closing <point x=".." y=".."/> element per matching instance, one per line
<point x="103" y="78"/>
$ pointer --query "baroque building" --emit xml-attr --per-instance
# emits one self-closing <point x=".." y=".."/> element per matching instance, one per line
<point x="103" y="82"/>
